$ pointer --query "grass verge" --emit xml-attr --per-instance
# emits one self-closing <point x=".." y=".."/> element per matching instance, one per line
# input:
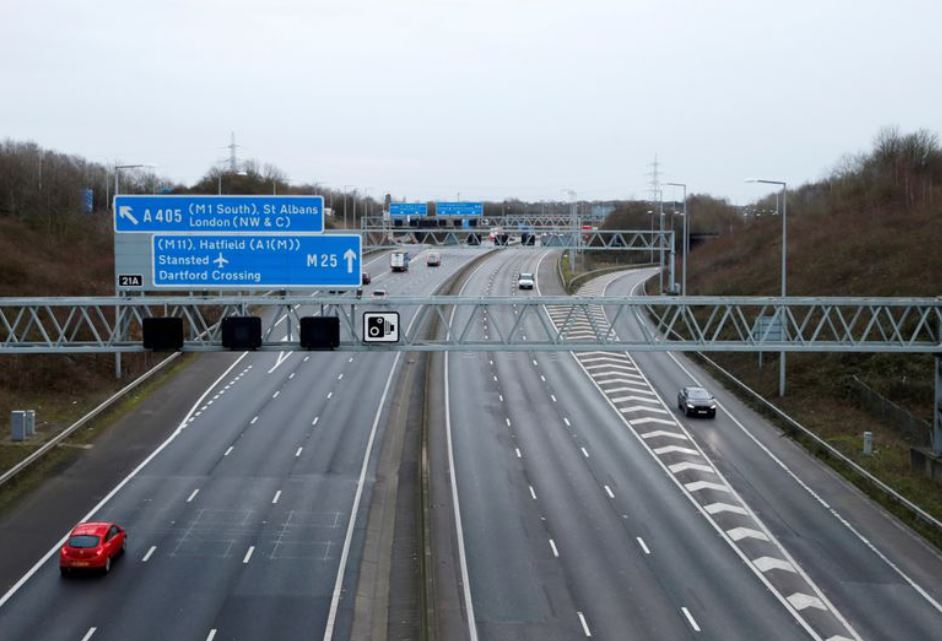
<point x="59" y="458"/>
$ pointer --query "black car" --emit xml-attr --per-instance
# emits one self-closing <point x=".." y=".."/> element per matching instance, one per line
<point x="365" y="278"/>
<point x="696" y="401"/>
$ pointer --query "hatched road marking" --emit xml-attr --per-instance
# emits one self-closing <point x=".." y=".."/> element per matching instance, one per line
<point x="618" y="373"/>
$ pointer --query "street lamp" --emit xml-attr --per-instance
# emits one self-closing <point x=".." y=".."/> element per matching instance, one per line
<point x="573" y="222"/>
<point x="686" y="243"/>
<point x="117" y="173"/>
<point x="784" y="186"/>
<point x="345" y="205"/>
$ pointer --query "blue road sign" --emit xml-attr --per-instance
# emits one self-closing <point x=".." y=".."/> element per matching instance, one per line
<point x="459" y="209"/>
<point x="219" y="214"/>
<point x="408" y="209"/>
<point x="88" y="200"/>
<point x="247" y="262"/>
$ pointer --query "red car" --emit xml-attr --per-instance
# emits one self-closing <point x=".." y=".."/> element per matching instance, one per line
<point x="92" y="546"/>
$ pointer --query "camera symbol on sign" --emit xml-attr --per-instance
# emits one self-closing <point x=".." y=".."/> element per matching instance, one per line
<point x="381" y="327"/>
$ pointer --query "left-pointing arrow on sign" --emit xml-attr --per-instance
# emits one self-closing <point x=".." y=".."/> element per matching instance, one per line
<point x="350" y="256"/>
<point x="126" y="212"/>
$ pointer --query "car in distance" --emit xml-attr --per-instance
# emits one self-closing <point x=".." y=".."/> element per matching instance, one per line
<point x="525" y="280"/>
<point x="365" y="278"/>
<point x="92" y="546"/>
<point x="434" y="259"/>
<point x="696" y="401"/>
<point x="379" y="293"/>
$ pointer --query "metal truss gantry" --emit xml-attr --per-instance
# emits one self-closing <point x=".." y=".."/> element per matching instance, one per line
<point x="539" y="324"/>
<point x="554" y="237"/>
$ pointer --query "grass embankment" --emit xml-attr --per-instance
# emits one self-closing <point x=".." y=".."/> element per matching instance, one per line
<point x="888" y="252"/>
<point x="63" y="255"/>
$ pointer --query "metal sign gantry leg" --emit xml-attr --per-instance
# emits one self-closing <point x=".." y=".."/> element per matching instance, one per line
<point x="937" y="407"/>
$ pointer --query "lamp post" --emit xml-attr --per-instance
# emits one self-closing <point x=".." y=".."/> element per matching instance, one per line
<point x="686" y="242"/>
<point x="573" y="223"/>
<point x="345" y="205"/>
<point x="118" y="321"/>
<point x="784" y="186"/>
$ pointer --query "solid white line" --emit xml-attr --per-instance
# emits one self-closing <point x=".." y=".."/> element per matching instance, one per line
<point x="459" y="531"/>
<point x="211" y="635"/>
<point x="532" y="493"/>
<point x="88" y="635"/>
<point x="361" y="483"/>
<point x="553" y="545"/>
<point x="584" y="452"/>
<point x="608" y="491"/>
<point x="193" y="495"/>
<point x="316" y="418"/>
<point x="585" y="626"/>
<point x="55" y="548"/>
<point x="643" y="545"/>
<point x="277" y="496"/>
<point x="248" y="554"/>
<point x="253" y="421"/>
<point x="693" y="622"/>
<point x="229" y="451"/>
<point x="298" y="453"/>
<point x="150" y="553"/>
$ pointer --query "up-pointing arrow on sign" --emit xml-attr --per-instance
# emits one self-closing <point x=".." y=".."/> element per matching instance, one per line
<point x="125" y="212"/>
<point x="350" y="256"/>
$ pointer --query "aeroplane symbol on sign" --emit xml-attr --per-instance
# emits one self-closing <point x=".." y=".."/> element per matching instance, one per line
<point x="221" y="261"/>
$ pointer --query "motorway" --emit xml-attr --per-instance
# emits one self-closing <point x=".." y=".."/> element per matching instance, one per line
<point x="569" y="500"/>
<point x="587" y="506"/>
<point x="240" y="523"/>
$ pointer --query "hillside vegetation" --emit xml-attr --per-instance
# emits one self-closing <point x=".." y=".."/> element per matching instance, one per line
<point x="873" y="228"/>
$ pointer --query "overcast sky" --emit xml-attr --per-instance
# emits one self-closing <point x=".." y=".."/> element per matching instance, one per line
<point x="491" y="99"/>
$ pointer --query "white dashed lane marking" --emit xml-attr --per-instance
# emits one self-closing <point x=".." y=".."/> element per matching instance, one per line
<point x="585" y="625"/>
<point x="630" y="394"/>
<point x="691" y="620"/>
<point x="193" y="495"/>
<point x="149" y="554"/>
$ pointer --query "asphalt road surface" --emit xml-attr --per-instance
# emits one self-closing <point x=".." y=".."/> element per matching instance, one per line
<point x="240" y="524"/>
<point x="588" y="506"/>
